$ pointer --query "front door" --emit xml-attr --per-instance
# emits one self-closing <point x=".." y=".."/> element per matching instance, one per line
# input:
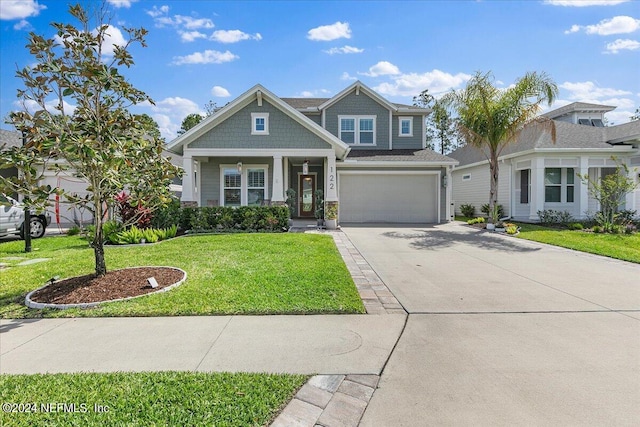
<point x="306" y="201"/>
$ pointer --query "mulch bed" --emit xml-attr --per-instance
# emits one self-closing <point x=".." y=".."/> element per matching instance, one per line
<point x="114" y="285"/>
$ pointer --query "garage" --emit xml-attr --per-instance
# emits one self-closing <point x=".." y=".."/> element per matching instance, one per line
<point x="393" y="197"/>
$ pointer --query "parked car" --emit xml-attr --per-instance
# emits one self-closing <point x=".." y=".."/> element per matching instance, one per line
<point x="12" y="219"/>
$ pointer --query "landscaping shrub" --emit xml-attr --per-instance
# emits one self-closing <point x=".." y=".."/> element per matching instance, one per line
<point x="478" y="220"/>
<point x="554" y="217"/>
<point x="597" y="229"/>
<point x="73" y="231"/>
<point x="243" y="218"/>
<point x="132" y="215"/>
<point x="575" y="226"/>
<point x="469" y="210"/>
<point x="485" y="210"/>
<point x="167" y="216"/>
<point x="134" y="235"/>
<point x="511" y="229"/>
<point x="110" y="230"/>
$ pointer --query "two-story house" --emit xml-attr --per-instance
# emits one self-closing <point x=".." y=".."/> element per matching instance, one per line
<point x="537" y="173"/>
<point x="364" y="152"/>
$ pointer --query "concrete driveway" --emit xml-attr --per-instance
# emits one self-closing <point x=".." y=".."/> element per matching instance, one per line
<point x="503" y="331"/>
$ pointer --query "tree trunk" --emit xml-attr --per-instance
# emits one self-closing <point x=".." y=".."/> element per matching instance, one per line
<point x="98" y="241"/>
<point x="493" y="188"/>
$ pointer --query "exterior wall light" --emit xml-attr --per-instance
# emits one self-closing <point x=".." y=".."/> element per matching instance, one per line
<point x="239" y="167"/>
<point x="305" y="167"/>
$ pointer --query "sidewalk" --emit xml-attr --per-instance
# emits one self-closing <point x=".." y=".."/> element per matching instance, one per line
<point x="327" y="344"/>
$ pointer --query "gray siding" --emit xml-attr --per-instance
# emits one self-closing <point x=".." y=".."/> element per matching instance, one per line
<point x="235" y="132"/>
<point x="210" y="176"/>
<point x="316" y="118"/>
<point x="476" y="190"/>
<point x="407" y="142"/>
<point x="360" y="105"/>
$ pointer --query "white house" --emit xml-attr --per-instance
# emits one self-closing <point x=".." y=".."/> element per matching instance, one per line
<point x="537" y="174"/>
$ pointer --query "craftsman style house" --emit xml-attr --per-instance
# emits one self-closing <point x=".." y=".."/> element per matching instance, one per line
<point x="363" y="151"/>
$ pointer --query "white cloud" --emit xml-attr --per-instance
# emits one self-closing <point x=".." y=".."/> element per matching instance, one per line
<point x="318" y="93"/>
<point x="346" y="76"/>
<point x="113" y="36"/>
<point x="590" y="92"/>
<point x="382" y="68"/>
<point x="22" y="25"/>
<point x="121" y="3"/>
<point x="32" y="106"/>
<point x="19" y="9"/>
<point x="162" y="19"/>
<point x="206" y="57"/>
<point x="606" y="27"/>
<point x="233" y="36"/>
<point x="584" y="3"/>
<point x="619" y="117"/>
<point x="412" y="84"/>
<point x="158" y="11"/>
<point x="622" y="44"/>
<point x="330" y="32"/>
<point x="170" y="112"/>
<point x="190" y="36"/>
<point x="220" y="92"/>
<point x="343" y="49"/>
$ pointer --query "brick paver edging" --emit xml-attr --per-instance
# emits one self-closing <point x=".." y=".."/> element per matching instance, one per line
<point x="329" y="401"/>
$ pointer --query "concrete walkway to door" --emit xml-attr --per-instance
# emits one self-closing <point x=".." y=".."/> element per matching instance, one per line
<point x="503" y="331"/>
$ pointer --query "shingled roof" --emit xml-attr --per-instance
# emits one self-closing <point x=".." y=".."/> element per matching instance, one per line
<point x="11" y="138"/>
<point x="425" y="155"/>
<point x="304" y="104"/>
<point x="568" y="136"/>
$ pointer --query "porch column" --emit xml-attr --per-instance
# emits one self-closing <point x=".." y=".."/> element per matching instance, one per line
<point x="630" y="200"/>
<point x="331" y="187"/>
<point x="277" y="194"/>
<point x="584" y="187"/>
<point x="188" y="179"/>
<point x="537" y="188"/>
<point x="447" y="193"/>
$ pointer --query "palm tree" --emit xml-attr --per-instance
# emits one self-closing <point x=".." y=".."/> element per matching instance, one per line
<point x="490" y="118"/>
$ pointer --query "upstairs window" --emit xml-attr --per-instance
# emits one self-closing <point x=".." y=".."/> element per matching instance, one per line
<point x="357" y="130"/>
<point x="259" y="123"/>
<point x="406" y="126"/>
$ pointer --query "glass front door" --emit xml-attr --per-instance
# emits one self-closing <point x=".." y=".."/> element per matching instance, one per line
<point x="306" y="199"/>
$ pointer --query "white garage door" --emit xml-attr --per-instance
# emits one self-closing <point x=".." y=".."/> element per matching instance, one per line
<point x="395" y="198"/>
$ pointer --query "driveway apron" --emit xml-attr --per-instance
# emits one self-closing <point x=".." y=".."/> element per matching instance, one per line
<point x="503" y="331"/>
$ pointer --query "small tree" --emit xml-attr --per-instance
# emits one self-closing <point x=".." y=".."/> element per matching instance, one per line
<point x="610" y="193"/>
<point x="100" y="141"/>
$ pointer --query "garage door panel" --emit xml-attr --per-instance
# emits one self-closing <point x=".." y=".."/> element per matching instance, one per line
<point x="388" y="198"/>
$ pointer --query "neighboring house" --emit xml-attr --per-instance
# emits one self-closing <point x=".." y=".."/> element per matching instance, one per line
<point x="9" y="139"/>
<point x="536" y="174"/>
<point x="363" y="151"/>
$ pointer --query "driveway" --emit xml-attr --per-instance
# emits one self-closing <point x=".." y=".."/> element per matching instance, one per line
<point x="503" y="331"/>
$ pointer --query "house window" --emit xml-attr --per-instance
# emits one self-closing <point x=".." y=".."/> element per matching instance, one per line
<point x="466" y="177"/>
<point x="246" y="188"/>
<point x="358" y="130"/>
<point x="259" y="123"/>
<point x="558" y="181"/>
<point x="524" y="186"/>
<point x="255" y="187"/>
<point x="232" y="187"/>
<point x="406" y="126"/>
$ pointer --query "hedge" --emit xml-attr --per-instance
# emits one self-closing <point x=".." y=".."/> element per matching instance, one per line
<point x="242" y="218"/>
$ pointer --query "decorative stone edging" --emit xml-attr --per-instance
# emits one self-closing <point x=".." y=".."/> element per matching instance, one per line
<point x="39" y="305"/>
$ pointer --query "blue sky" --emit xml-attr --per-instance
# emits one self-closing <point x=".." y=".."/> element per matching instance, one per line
<point x="205" y="50"/>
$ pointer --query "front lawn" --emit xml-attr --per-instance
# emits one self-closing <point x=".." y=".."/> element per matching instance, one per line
<point x="621" y="246"/>
<point x="145" y="399"/>
<point x="257" y="273"/>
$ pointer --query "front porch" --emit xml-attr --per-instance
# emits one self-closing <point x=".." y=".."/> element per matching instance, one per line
<point x="255" y="180"/>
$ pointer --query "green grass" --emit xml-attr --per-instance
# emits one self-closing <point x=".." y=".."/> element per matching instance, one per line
<point x="621" y="246"/>
<point x="147" y="399"/>
<point x="227" y="274"/>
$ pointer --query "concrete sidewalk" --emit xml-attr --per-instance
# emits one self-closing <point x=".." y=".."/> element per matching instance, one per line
<point x="330" y="344"/>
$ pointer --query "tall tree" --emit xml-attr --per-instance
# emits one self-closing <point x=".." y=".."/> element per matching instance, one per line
<point x="490" y="118"/>
<point x="190" y="121"/>
<point x="100" y="141"/>
<point x="441" y="129"/>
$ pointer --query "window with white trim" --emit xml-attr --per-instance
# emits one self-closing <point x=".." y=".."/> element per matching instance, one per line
<point x="466" y="177"/>
<point x="357" y="130"/>
<point x="405" y="126"/>
<point x="245" y="188"/>
<point x="559" y="185"/>
<point x="259" y="123"/>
